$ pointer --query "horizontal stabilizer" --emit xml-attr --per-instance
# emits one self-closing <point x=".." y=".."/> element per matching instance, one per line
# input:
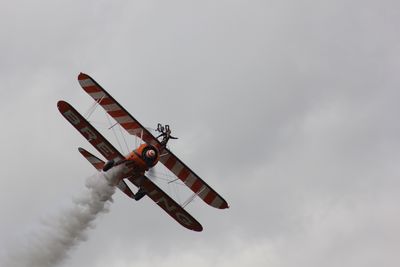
<point x="98" y="164"/>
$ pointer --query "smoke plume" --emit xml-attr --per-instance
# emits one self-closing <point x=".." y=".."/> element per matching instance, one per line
<point x="58" y="235"/>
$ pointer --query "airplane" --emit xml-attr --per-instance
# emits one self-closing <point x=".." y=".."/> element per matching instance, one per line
<point x="133" y="167"/>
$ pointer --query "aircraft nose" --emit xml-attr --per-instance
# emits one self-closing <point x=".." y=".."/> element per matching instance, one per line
<point x="150" y="153"/>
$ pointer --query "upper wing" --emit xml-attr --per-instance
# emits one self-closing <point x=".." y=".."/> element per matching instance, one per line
<point x="89" y="132"/>
<point x="98" y="164"/>
<point x="110" y="153"/>
<point x="132" y="126"/>
<point x="115" y="109"/>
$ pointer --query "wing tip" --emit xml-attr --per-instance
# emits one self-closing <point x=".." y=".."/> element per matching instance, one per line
<point x="83" y="151"/>
<point x="199" y="228"/>
<point x="224" y="206"/>
<point x="83" y="76"/>
<point x="62" y="105"/>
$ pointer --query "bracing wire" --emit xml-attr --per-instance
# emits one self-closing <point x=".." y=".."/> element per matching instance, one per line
<point x="123" y="137"/>
<point x="92" y="108"/>
<point x="90" y="111"/>
<point x="189" y="200"/>
<point x="165" y="179"/>
<point x="113" y="130"/>
<point x="173" y="183"/>
<point x="176" y="193"/>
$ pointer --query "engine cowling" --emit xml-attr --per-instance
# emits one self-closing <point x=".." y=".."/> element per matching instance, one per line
<point x="150" y="155"/>
<point x="144" y="157"/>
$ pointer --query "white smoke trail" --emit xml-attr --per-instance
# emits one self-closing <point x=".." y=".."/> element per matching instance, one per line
<point x="51" y="246"/>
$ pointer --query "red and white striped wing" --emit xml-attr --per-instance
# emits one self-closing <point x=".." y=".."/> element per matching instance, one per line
<point x="192" y="180"/>
<point x="115" y="110"/>
<point x="89" y="132"/>
<point x="169" y="205"/>
<point x="98" y="164"/>
<point x="132" y="126"/>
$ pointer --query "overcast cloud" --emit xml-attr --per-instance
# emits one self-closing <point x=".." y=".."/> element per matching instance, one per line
<point x="289" y="109"/>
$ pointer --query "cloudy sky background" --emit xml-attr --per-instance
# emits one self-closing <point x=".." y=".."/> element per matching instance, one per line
<point x="289" y="109"/>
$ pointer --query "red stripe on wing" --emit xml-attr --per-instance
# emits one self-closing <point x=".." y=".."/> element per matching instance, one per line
<point x="184" y="173"/>
<point x="117" y="113"/>
<point x="170" y="163"/>
<point x="106" y="101"/>
<point x="196" y="186"/>
<point x="92" y="89"/>
<point x="210" y="197"/>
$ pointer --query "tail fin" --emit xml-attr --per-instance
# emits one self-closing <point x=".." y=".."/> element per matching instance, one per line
<point x="98" y="164"/>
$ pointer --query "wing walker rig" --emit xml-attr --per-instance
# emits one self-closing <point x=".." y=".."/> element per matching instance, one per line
<point x="134" y="165"/>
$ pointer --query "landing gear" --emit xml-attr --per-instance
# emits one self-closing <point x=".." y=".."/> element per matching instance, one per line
<point x="108" y="165"/>
<point x="165" y="133"/>
<point x="140" y="194"/>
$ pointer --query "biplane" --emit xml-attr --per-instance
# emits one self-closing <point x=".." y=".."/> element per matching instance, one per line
<point x="140" y="160"/>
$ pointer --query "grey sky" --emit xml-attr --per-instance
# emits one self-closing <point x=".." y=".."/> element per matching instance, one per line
<point x="287" y="108"/>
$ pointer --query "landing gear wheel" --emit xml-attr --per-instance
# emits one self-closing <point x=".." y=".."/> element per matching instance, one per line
<point x="108" y="165"/>
<point x="140" y="194"/>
